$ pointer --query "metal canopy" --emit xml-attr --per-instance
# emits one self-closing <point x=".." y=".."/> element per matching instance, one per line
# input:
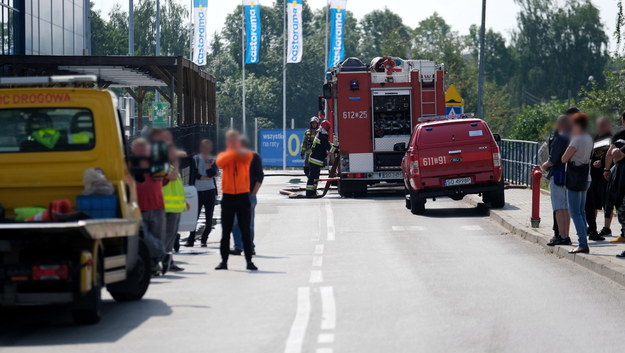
<point x="189" y="90"/>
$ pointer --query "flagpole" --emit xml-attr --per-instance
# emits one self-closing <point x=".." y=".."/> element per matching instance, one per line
<point x="243" y="91"/>
<point x="284" y="92"/>
<point x="327" y="31"/>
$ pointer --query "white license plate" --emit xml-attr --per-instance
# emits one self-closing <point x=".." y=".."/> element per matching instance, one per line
<point x="457" y="181"/>
<point x="391" y="175"/>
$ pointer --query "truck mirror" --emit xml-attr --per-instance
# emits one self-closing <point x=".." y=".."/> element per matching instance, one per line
<point x="400" y="147"/>
<point x="497" y="138"/>
<point x="327" y="91"/>
<point x="322" y="104"/>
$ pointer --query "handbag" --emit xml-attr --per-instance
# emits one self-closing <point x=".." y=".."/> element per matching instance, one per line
<point x="558" y="174"/>
<point x="577" y="176"/>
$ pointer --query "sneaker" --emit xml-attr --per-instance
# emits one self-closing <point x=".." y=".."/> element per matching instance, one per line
<point x="621" y="255"/>
<point x="605" y="232"/>
<point x="619" y="239"/>
<point x="558" y="240"/>
<point x="189" y="245"/>
<point x="175" y="268"/>
<point x="221" y="266"/>
<point x="594" y="236"/>
<point x="204" y="245"/>
<point x="251" y="266"/>
<point x="236" y="252"/>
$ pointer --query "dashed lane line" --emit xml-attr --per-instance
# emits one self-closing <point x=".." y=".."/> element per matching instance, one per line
<point x="325" y="338"/>
<point x="331" y="234"/>
<point x="471" y="228"/>
<point x="408" y="228"/>
<point x="328" y="308"/>
<point x="319" y="249"/>
<point x="324" y="350"/>
<point x="316" y="276"/>
<point x="317" y="261"/>
<point x="302" y="316"/>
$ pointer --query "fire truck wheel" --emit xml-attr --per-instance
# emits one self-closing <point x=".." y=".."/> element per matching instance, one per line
<point x="138" y="281"/>
<point x="417" y="204"/>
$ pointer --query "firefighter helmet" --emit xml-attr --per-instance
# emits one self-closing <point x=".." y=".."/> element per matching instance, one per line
<point x="314" y="119"/>
<point x="326" y="125"/>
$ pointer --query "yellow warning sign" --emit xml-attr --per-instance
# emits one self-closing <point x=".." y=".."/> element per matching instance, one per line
<point x="452" y="97"/>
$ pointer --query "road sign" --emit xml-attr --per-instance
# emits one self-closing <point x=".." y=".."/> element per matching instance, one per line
<point x="454" y="110"/>
<point x="453" y="98"/>
<point x="160" y="112"/>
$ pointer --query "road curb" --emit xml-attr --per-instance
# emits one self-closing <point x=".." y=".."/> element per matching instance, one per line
<point x="595" y="264"/>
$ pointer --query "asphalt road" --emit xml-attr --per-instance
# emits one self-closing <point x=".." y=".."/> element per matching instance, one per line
<point x="341" y="275"/>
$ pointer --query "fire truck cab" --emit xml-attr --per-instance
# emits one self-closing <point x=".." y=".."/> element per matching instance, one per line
<point x="374" y="109"/>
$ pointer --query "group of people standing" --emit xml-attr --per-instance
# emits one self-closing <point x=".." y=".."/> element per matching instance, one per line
<point x="585" y="176"/>
<point x="162" y="198"/>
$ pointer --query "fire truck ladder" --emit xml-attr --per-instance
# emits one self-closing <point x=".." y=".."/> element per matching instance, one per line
<point x="431" y="90"/>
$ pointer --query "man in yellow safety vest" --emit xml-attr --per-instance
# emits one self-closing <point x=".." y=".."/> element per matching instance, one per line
<point x="175" y="205"/>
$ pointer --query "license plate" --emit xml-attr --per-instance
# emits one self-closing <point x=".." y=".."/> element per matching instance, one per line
<point x="457" y="181"/>
<point x="391" y="175"/>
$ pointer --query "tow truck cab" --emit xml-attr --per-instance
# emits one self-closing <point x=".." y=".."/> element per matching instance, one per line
<point x="452" y="157"/>
<point x="53" y="129"/>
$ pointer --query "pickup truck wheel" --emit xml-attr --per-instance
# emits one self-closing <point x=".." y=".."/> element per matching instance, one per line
<point x="417" y="204"/>
<point x="88" y="310"/>
<point x="406" y="194"/>
<point x="138" y="281"/>
<point x="496" y="198"/>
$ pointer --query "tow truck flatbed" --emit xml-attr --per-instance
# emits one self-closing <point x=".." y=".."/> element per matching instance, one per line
<point x="94" y="229"/>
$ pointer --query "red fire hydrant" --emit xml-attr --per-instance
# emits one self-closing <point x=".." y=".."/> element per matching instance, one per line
<point x="537" y="175"/>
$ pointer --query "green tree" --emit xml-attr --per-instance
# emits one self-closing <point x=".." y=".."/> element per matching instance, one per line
<point x="434" y="40"/>
<point x="109" y="37"/>
<point x="559" y="47"/>
<point x="383" y="33"/>
<point x="501" y="61"/>
<point x="535" y="122"/>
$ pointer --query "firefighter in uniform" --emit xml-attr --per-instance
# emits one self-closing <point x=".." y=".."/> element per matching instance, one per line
<point x="307" y="143"/>
<point x="321" y="147"/>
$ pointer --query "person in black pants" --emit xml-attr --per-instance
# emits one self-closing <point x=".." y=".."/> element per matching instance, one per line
<point x="235" y="182"/>
<point x="202" y="175"/>
<point x="596" y="195"/>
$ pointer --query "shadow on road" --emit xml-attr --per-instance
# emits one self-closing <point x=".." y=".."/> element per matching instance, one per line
<point x="43" y="326"/>
<point x="477" y="212"/>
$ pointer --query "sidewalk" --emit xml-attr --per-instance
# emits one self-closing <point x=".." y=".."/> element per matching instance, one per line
<point x="516" y="218"/>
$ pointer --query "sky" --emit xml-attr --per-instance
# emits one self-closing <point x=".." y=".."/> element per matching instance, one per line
<point x="460" y="14"/>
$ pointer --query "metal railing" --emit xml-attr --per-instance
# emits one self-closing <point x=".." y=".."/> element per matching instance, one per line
<point x="519" y="157"/>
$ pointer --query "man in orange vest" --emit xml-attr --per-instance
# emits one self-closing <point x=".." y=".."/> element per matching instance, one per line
<point x="235" y="183"/>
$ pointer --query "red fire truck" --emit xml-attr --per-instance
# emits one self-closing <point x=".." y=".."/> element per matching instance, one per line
<point x="374" y="109"/>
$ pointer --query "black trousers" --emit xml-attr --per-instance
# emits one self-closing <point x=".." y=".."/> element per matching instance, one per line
<point x="206" y="199"/>
<point x="595" y="200"/>
<point x="313" y="176"/>
<point x="238" y="205"/>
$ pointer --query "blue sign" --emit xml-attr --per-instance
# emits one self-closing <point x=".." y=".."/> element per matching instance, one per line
<point x="253" y="30"/>
<point x="270" y="147"/>
<point x="338" y="15"/>
<point x="454" y="110"/>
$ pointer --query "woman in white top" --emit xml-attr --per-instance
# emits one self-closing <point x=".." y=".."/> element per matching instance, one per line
<point x="578" y="154"/>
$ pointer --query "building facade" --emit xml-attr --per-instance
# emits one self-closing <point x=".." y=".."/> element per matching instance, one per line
<point x="44" y="27"/>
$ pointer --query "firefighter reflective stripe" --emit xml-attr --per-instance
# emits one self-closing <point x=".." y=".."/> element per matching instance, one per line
<point x="333" y="149"/>
<point x="311" y="187"/>
<point x="47" y="137"/>
<point x="315" y="161"/>
<point x="173" y="195"/>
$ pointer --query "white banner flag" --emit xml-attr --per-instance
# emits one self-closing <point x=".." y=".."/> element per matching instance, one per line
<point x="295" y="41"/>
<point x="200" y="39"/>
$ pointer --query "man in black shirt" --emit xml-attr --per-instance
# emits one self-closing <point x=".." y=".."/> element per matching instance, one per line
<point x="596" y="195"/>
<point x="256" y="180"/>
<point x="614" y="172"/>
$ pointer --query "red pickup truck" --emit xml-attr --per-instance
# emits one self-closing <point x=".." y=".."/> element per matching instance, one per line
<point x="453" y="158"/>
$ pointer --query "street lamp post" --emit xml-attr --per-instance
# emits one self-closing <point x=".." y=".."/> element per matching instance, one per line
<point x="480" y="82"/>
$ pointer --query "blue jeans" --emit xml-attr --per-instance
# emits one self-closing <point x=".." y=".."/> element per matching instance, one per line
<point x="236" y="232"/>
<point x="577" y="210"/>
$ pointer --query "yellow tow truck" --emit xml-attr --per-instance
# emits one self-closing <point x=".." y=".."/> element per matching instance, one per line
<point x="52" y="129"/>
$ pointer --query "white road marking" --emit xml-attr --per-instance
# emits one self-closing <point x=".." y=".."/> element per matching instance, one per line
<point x="324" y="350"/>
<point x="325" y="338"/>
<point x="408" y="228"/>
<point x="330" y="221"/>
<point x="317" y="261"/>
<point x="328" y="307"/>
<point x="472" y="228"/>
<point x="298" y="330"/>
<point x="315" y="236"/>
<point x="318" y="249"/>
<point x="316" y="276"/>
